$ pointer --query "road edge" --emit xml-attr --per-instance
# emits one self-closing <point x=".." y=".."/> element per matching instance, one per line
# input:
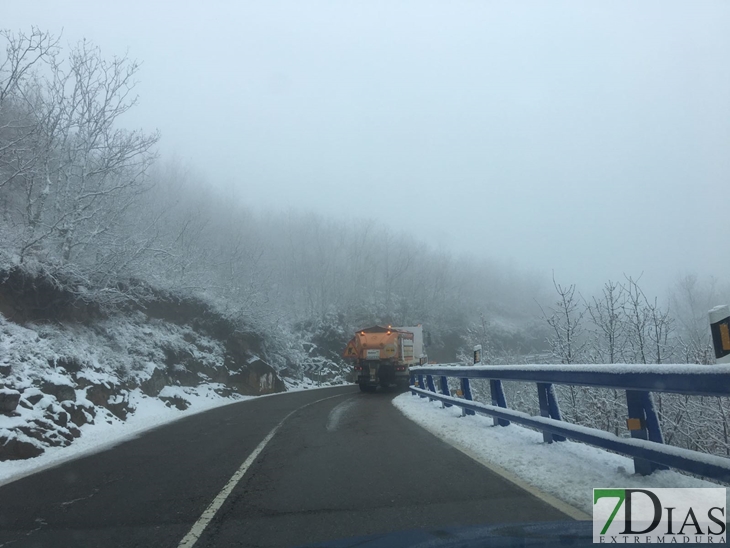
<point x="560" y="505"/>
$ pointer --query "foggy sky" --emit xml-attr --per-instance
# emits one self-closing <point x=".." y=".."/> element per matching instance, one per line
<point x="588" y="138"/>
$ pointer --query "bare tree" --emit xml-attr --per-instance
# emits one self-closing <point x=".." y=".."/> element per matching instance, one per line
<point x="19" y="124"/>
<point x="566" y="321"/>
<point x="691" y="300"/>
<point x="97" y="170"/>
<point x="660" y="329"/>
<point x="637" y="319"/>
<point x="567" y="344"/>
<point x="607" y="315"/>
<point x="70" y="175"/>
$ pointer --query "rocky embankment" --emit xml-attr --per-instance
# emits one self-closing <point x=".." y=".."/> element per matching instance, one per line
<point x="66" y="363"/>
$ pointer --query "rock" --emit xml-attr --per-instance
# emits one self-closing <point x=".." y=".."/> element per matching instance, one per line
<point x="62" y="392"/>
<point x="101" y="394"/>
<point x="45" y="432"/>
<point x="224" y="392"/>
<point x="65" y="433"/>
<point x="11" y="448"/>
<point x="25" y="403"/>
<point x="188" y="373"/>
<point x="256" y="378"/>
<point x="68" y="364"/>
<point x="35" y="398"/>
<point x="75" y="432"/>
<point x="9" y="399"/>
<point x="154" y="385"/>
<point x="111" y="397"/>
<point x="119" y="410"/>
<point x="5" y="370"/>
<point x="181" y="403"/>
<point x="60" y="418"/>
<point x="79" y="414"/>
<point x="98" y="394"/>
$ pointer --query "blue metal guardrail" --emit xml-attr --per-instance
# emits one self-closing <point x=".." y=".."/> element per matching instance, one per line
<point x="646" y="445"/>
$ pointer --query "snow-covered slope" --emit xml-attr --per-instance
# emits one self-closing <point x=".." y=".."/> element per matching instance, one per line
<point x="66" y="381"/>
<point x="57" y="379"/>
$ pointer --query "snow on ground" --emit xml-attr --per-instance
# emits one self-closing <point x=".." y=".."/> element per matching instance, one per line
<point x="568" y="470"/>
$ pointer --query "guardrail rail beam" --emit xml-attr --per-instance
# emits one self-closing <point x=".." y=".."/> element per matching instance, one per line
<point x="646" y="445"/>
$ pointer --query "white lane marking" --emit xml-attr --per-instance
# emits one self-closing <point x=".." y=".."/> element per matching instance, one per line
<point x="199" y="526"/>
<point x="335" y="416"/>
<point x="67" y="503"/>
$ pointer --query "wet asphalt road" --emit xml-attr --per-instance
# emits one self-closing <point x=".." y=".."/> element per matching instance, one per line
<point x="350" y="465"/>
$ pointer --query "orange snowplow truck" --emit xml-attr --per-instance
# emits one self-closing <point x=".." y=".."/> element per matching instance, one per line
<point x="383" y="355"/>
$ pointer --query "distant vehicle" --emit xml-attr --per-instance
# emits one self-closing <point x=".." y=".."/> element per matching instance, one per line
<point x="383" y="355"/>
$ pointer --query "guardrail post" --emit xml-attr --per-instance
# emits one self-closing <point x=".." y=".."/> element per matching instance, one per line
<point x="652" y="425"/>
<point x="431" y="387"/>
<point x="637" y="427"/>
<point x="412" y="380"/>
<point x="652" y="421"/>
<point x="549" y="408"/>
<point x="420" y="385"/>
<point x="542" y="396"/>
<point x="466" y="390"/>
<point x="445" y="388"/>
<point x="498" y="399"/>
<point x="554" y="409"/>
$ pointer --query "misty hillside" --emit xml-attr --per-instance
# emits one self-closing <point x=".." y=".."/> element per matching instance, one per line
<point x="125" y="276"/>
<point x="123" y="279"/>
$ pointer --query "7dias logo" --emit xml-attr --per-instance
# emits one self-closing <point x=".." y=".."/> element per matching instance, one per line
<point x="664" y="516"/>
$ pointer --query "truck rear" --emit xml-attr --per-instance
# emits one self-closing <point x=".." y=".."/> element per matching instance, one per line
<point x="383" y="355"/>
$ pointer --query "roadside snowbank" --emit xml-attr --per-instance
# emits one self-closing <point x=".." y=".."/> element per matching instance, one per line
<point x="567" y="471"/>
